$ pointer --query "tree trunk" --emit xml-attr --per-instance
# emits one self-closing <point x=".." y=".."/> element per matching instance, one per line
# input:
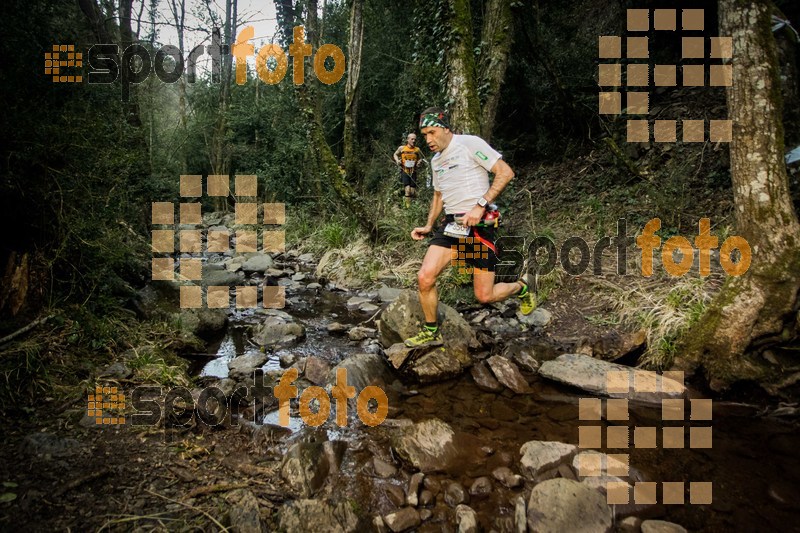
<point x="352" y="89"/>
<point x="178" y="8"/>
<point x="497" y="35"/>
<point x="308" y="103"/>
<point x="758" y="308"/>
<point x="462" y="95"/>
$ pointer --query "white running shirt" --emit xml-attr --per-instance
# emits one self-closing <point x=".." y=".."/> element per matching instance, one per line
<point x="461" y="172"/>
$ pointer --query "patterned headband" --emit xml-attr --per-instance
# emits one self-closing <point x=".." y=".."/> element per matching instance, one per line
<point x="433" y="119"/>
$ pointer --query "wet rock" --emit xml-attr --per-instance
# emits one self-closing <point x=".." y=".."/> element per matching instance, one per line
<point x="614" y="344"/>
<point x="298" y="276"/>
<point x="382" y="468"/>
<point x="426" y="498"/>
<point x="508" y="374"/>
<point x="356" y="302"/>
<point x="49" y="444"/>
<point x="359" y="333"/>
<point x="227" y="386"/>
<point x="316" y="370"/>
<point x="336" y="328"/>
<point x="481" y="487"/>
<point x="234" y="264"/>
<point x="540" y="459"/>
<point x="395" y="494"/>
<point x="275" y="331"/>
<point x="632" y="524"/>
<point x="402" y="519"/>
<point x="244" y="515"/>
<point x="479" y="317"/>
<point x="566" y="505"/>
<point x="300" y="516"/>
<point x="313" y="286"/>
<point x="368" y="308"/>
<point x="600" y="483"/>
<point x="589" y="374"/>
<point x="425" y="514"/>
<point x="660" y="526"/>
<point x="243" y="366"/>
<point x="467" y="519"/>
<point x="307" y="465"/>
<point x="287" y="359"/>
<point x="306" y="258"/>
<point x="388" y="294"/>
<point x="436" y="365"/>
<point x="484" y="378"/>
<point x="258" y="263"/>
<point x="116" y="371"/>
<point x="363" y="370"/>
<point x="432" y="485"/>
<point x="402" y="319"/>
<point x="526" y="360"/>
<point x="539" y="318"/>
<point x="412" y="493"/>
<point x="275" y="273"/>
<point x="428" y="446"/>
<point x="504" y="475"/>
<point x="455" y="494"/>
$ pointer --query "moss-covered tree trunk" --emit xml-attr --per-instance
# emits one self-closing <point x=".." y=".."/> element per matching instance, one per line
<point x="497" y="37"/>
<point x="352" y="88"/>
<point x="462" y="94"/>
<point x="312" y="115"/>
<point x="759" y="308"/>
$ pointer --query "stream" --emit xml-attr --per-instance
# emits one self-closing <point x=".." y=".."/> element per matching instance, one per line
<point x="753" y="464"/>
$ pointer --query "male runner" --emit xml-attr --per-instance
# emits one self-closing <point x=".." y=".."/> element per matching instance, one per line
<point x="407" y="157"/>
<point x="460" y="171"/>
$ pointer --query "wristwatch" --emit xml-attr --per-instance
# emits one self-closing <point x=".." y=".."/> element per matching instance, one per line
<point x="482" y="202"/>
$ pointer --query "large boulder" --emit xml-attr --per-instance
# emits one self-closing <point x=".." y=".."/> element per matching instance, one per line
<point x="258" y="263"/>
<point x="433" y="446"/>
<point x="541" y="459"/>
<point x="205" y="323"/>
<point x="595" y="376"/>
<point x="363" y="370"/>
<point x="307" y="464"/>
<point x="403" y="318"/>
<point x="558" y="505"/>
<point x="275" y="331"/>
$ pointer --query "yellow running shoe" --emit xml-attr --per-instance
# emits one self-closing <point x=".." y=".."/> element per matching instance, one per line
<point x="426" y="337"/>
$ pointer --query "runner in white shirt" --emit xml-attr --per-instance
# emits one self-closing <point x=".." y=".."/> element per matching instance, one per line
<point x="460" y="171"/>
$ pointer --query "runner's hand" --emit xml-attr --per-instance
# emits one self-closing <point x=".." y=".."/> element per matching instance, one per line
<point x="419" y="233"/>
<point x="473" y="217"/>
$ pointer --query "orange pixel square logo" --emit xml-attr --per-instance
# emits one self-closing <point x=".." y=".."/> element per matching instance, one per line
<point x="695" y="71"/>
<point x="61" y="58"/>
<point x="102" y="399"/>
<point x="668" y="389"/>
<point x="185" y="263"/>
<point x="467" y="248"/>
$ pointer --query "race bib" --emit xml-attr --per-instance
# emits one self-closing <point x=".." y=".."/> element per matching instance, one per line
<point x="410" y="164"/>
<point x="454" y="229"/>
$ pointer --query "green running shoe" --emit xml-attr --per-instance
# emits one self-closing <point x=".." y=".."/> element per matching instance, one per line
<point x="527" y="298"/>
<point x="426" y="337"/>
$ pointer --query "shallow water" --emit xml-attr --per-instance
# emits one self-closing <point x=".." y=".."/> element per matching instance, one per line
<point x="753" y="464"/>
